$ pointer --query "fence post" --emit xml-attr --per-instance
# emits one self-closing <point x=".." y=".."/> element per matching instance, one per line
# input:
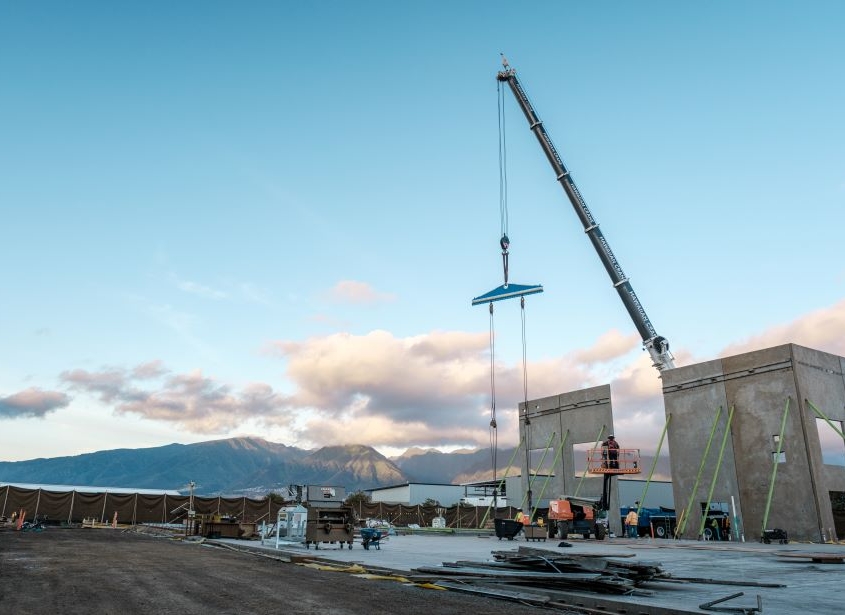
<point x="105" y="500"/>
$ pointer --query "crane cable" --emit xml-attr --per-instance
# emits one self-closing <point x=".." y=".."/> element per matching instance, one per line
<point x="524" y="361"/>
<point x="504" y="242"/>
<point x="494" y="436"/>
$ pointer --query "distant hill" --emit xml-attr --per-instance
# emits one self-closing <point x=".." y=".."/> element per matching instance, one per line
<point x="433" y="466"/>
<point x="254" y="467"/>
<point x="237" y="466"/>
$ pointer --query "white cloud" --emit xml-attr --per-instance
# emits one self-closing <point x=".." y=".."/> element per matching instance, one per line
<point x="360" y="293"/>
<point x="32" y="403"/>
<point x="191" y="402"/>
<point x="822" y="329"/>
<point x="432" y="389"/>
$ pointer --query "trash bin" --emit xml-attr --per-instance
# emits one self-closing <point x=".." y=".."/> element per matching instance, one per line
<point x="506" y="528"/>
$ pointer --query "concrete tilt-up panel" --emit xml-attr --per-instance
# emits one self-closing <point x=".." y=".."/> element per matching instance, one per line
<point x="552" y="426"/>
<point x="736" y="463"/>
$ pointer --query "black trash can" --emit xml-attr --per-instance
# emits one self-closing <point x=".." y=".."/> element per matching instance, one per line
<point x="507" y="528"/>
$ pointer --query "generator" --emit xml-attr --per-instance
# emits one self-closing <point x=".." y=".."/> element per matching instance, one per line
<point x="328" y="521"/>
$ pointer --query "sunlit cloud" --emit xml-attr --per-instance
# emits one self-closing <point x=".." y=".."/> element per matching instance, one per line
<point x="109" y="385"/>
<point x="411" y="389"/>
<point x="434" y="389"/>
<point x="153" y="369"/>
<point x="359" y="293"/>
<point x="191" y="402"/>
<point x="611" y="345"/>
<point x="822" y="329"/>
<point x="32" y="403"/>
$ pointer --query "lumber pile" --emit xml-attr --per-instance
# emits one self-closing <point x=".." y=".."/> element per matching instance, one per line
<point x="540" y="568"/>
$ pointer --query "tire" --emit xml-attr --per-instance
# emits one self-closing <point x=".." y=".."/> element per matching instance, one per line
<point x="601" y="531"/>
<point x="563" y="529"/>
<point x="708" y="533"/>
<point x="660" y="531"/>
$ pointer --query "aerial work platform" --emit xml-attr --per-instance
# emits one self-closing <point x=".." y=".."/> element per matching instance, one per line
<point x="626" y="462"/>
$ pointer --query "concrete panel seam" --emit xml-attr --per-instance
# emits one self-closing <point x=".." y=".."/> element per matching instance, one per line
<point x="709" y="380"/>
<point x="826" y="370"/>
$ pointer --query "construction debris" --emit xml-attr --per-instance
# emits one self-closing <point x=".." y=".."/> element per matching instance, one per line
<point x="749" y="610"/>
<point x="537" y="576"/>
<point x="540" y="568"/>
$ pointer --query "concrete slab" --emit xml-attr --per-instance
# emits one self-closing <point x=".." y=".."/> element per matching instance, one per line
<point x="810" y="586"/>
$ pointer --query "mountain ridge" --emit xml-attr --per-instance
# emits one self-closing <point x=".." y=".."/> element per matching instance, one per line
<point x="254" y="467"/>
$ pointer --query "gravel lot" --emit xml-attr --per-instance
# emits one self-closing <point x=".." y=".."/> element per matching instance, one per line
<point x="104" y="571"/>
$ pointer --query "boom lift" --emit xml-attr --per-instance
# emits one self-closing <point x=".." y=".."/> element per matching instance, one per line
<point x="657" y="346"/>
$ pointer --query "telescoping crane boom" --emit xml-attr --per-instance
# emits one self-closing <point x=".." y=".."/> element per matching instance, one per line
<point x="657" y="346"/>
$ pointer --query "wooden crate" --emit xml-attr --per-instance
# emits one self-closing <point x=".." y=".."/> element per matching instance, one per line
<point x="535" y="532"/>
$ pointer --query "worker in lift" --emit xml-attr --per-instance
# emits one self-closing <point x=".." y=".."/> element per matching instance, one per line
<point x="610" y="448"/>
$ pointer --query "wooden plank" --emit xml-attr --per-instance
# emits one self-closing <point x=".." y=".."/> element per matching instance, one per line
<point x="522" y="597"/>
<point x="818" y="558"/>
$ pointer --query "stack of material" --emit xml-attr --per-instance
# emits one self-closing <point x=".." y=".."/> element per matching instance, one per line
<point x="539" y="568"/>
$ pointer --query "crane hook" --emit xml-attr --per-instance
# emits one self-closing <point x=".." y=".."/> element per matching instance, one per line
<point x="504" y="242"/>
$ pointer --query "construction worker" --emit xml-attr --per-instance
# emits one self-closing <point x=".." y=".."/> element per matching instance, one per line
<point x="717" y="533"/>
<point x="631" y="523"/>
<point x="611" y="449"/>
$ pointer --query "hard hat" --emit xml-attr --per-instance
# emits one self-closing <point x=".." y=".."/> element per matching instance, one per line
<point x="610" y="437"/>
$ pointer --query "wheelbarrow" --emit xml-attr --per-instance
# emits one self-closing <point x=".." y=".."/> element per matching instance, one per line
<point x="371" y="536"/>
<point x="507" y="528"/>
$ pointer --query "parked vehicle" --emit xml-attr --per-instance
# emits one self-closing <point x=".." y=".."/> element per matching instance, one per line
<point x="572" y="515"/>
<point x="657" y="522"/>
<point x="661" y="522"/>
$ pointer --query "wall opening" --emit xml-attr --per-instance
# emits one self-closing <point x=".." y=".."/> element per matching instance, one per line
<point x="579" y="451"/>
<point x="831" y="443"/>
<point x="778" y="457"/>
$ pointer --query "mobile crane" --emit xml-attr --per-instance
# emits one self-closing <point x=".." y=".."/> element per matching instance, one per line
<point x="656" y="345"/>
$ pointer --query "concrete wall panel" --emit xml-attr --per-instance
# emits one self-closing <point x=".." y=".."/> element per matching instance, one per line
<point x="757" y="386"/>
<point x="696" y="407"/>
<point x="557" y="423"/>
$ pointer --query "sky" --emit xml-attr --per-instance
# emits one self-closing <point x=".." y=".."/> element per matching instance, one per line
<point x="269" y="219"/>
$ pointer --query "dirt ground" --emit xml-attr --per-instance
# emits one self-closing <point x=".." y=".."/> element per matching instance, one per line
<point x="104" y="571"/>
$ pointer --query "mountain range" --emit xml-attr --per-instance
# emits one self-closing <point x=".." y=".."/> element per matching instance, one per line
<point x="254" y="467"/>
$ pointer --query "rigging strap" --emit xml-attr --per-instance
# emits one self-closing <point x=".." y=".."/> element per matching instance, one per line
<point x="494" y="437"/>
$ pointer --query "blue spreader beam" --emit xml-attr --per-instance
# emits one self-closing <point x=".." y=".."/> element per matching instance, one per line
<point x="508" y="291"/>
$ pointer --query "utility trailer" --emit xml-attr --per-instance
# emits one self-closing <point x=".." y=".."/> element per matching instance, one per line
<point x="328" y="521"/>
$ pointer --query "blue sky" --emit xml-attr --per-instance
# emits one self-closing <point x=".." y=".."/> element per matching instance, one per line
<point x="269" y="218"/>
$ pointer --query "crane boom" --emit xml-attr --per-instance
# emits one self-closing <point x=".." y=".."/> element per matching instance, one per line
<point x="656" y="345"/>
